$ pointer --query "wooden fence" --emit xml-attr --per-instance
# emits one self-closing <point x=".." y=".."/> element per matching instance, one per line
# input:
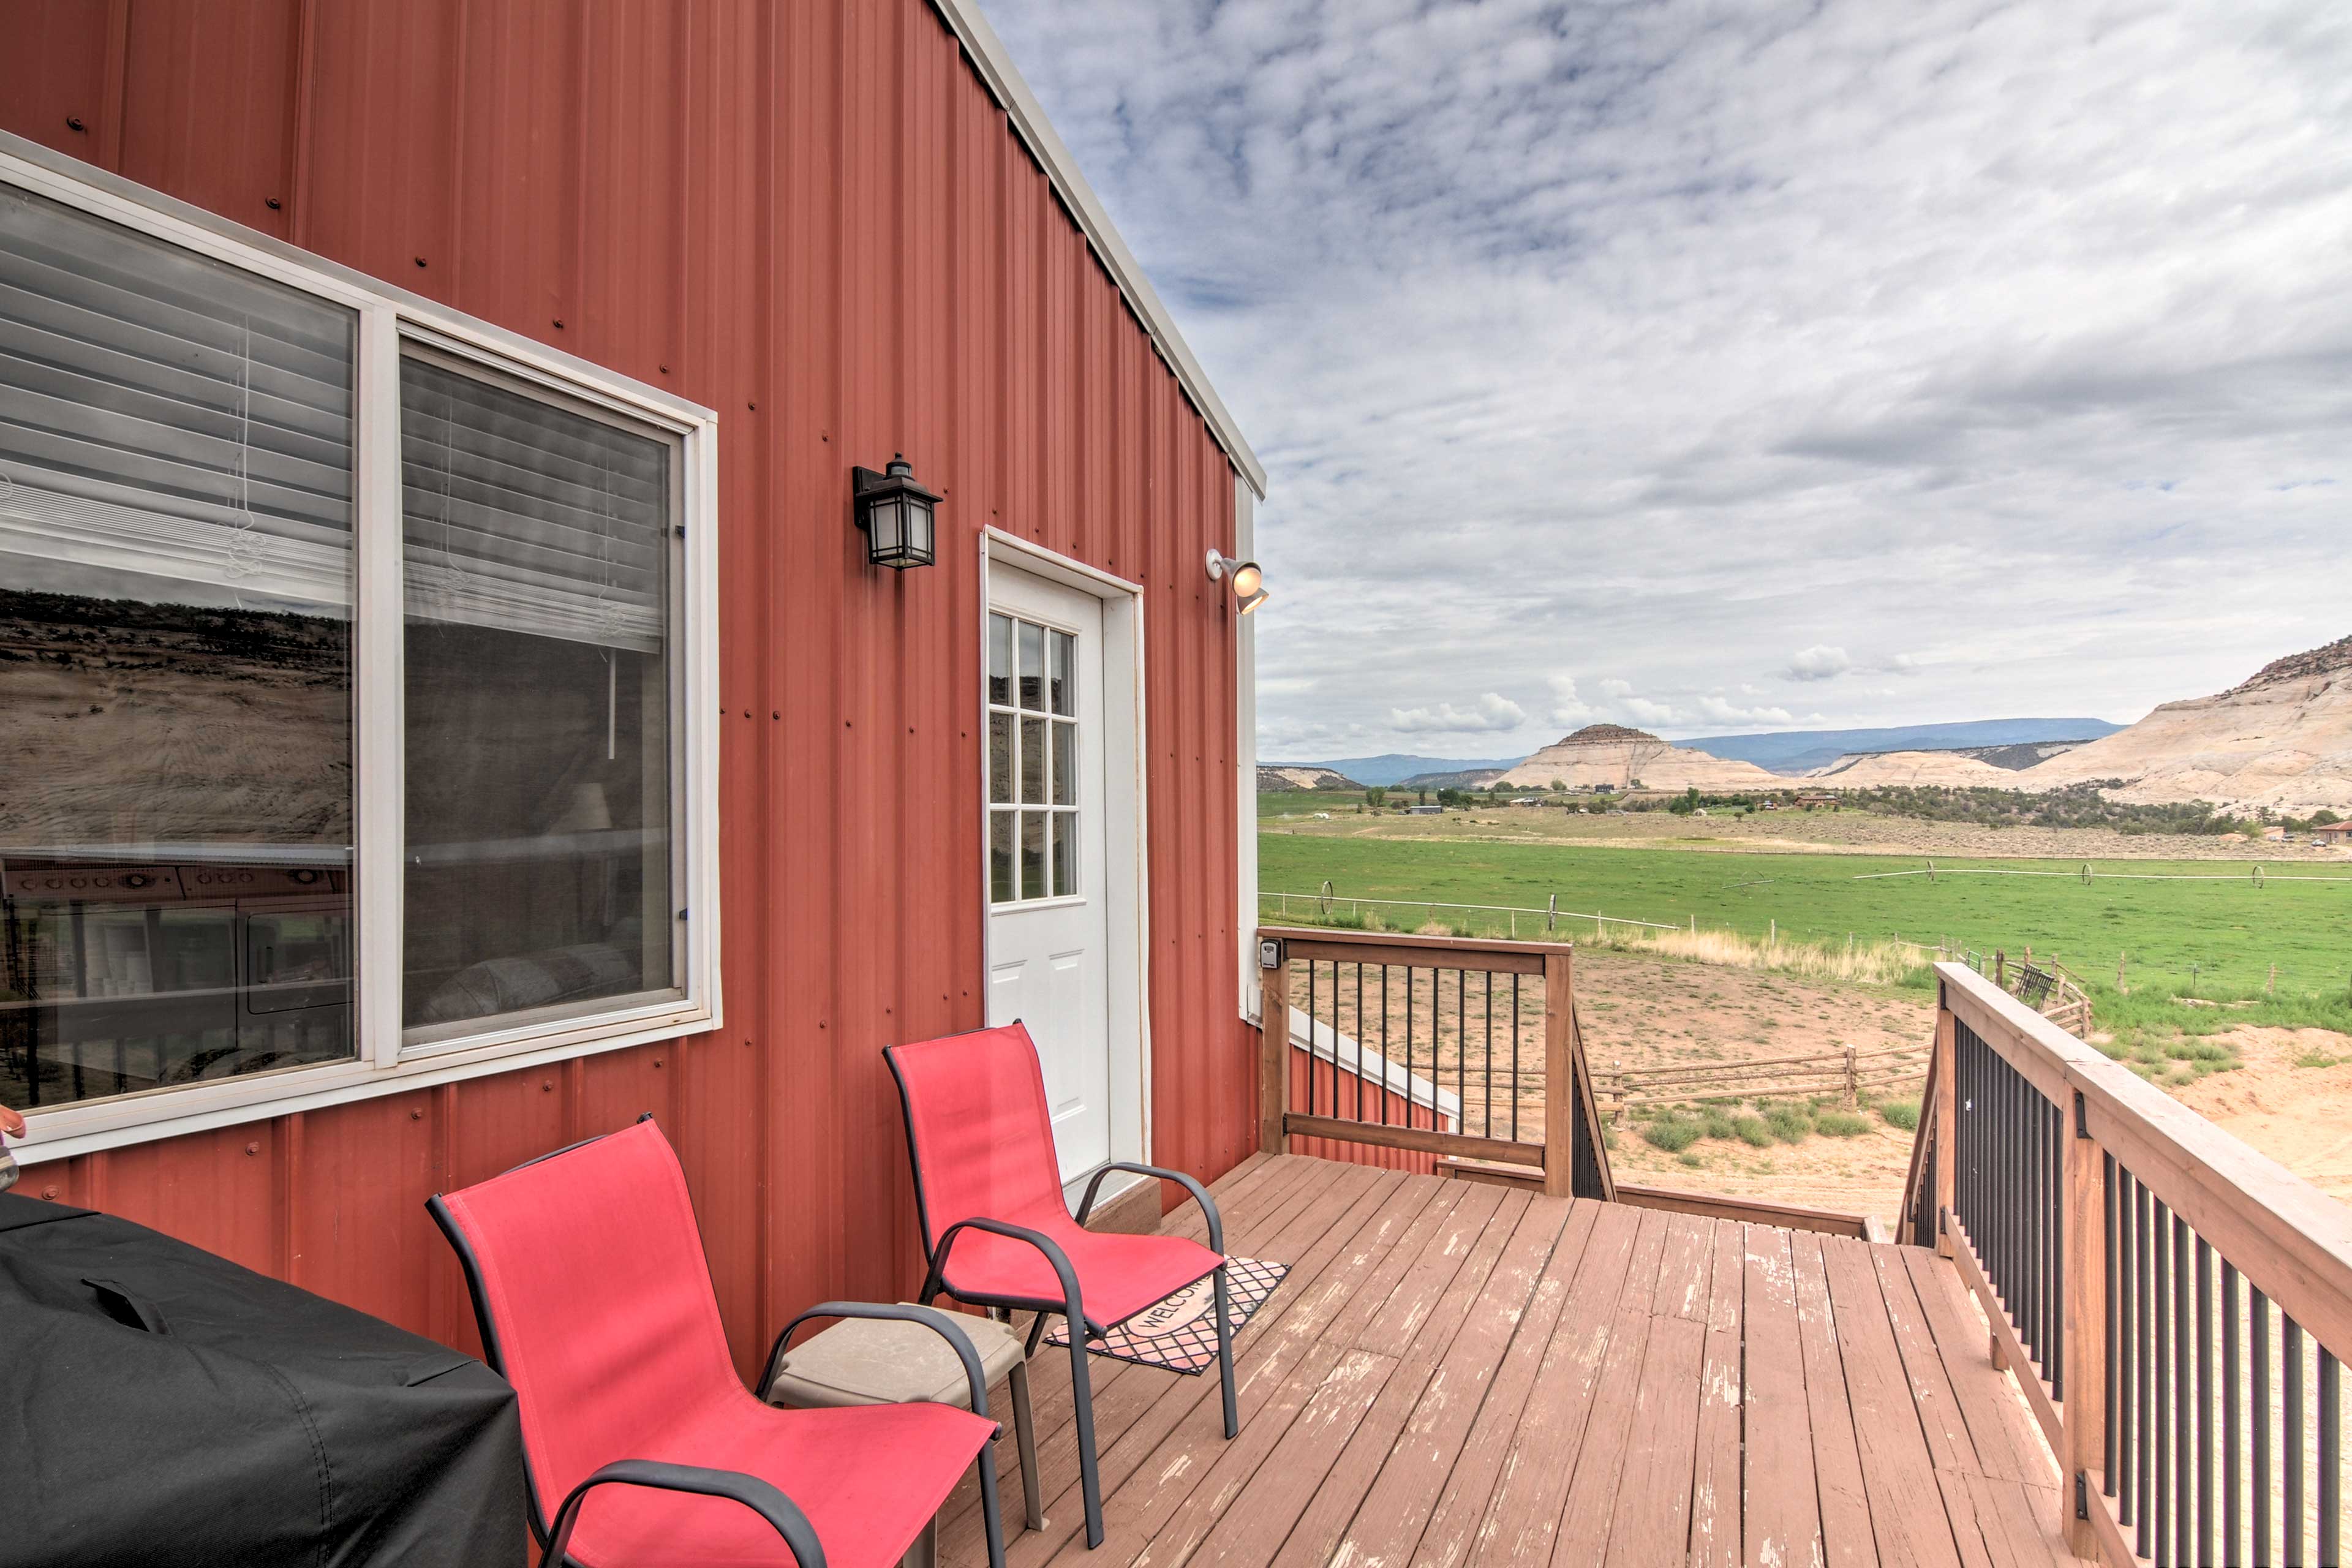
<point x="1476" y="1032"/>
<point x="1849" y="1074"/>
<point x="2175" y="1306"/>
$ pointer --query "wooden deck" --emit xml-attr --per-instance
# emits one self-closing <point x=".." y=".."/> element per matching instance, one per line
<point x="1460" y="1374"/>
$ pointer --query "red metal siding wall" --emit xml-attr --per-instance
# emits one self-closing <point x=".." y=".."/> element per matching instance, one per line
<point x="1330" y="1090"/>
<point x="813" y="218"/>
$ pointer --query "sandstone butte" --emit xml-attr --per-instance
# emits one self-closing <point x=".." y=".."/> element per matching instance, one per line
<point x="1620" y="757"/>
<point x="2282" y="740"/>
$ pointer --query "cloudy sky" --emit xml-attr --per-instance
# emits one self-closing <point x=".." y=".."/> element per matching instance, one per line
<point x="1720" y="365"/>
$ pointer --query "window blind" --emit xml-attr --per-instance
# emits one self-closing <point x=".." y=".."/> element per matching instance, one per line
<point x="164" y="414"/>
<point x="530" y="516"/>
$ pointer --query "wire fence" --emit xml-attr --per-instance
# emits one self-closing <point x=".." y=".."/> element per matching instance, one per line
<point x="2220" y="981"/>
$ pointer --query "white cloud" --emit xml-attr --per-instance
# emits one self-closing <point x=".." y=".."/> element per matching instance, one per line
<point x="1641" y="711"/>
<point x="1667" y="337"/>
<point x="1819" y="662"/>
<point x="1567" y="708"/>
<point x="1492" y="713"/>
<point x="1724" y="712"/>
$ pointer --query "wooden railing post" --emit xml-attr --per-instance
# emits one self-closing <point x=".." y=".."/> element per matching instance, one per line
<point x="1947" y="1112"/>
<point x="1273" y="1053"/>
<point x="2083" y="1245"/>
<point x="1559" y="1076"/>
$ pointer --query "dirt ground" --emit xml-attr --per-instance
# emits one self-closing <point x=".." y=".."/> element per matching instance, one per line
<point x="1813" y="832"/>
<point x="2299" y="1116"/>
<point x="1644" y="1011"/>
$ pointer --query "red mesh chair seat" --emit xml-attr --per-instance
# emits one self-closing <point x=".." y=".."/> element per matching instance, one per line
<point x="997" y="1232"/>
<point x="595" y="1302"/>
<point x="869" y="1478"/>
<point x="1121" y="1275"/>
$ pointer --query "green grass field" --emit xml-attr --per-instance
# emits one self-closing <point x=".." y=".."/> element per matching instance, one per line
<point x="2228" y="932"/>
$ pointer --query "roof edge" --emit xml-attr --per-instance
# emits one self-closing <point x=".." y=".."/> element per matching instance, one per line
<point x="989" y="59"/>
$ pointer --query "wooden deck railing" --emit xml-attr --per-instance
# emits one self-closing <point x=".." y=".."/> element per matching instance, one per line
<point x="1458" y="1047"/>
<point x="2175" y="1306"/>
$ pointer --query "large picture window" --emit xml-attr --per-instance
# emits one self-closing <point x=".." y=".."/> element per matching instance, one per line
<point x="217" y="727"/>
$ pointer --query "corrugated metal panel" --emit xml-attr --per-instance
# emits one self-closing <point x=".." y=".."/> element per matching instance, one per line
<point x="1319" y="1082"/>
<point x="813" y="218"/>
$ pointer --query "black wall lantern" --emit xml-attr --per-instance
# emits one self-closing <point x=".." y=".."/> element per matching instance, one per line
<point x="898" y="515"/>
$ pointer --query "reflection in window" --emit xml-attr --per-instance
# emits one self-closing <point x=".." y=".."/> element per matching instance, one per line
<point x="176" y="591"/>
<point x="539" y="758"/>
<point x="1033" y="760"/>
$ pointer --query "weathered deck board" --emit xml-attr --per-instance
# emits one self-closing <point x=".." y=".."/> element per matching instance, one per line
<point x="1457" y="1375"/>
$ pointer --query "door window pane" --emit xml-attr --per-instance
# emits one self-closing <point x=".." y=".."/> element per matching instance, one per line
<point x="1033" y="762"/>
<point x="1000" y="858"/>
<point x="1066" y="854"/>
<point x="1065" y="764"/>
<point x="999" y="659"/>
<point x="1065" y="691"/>
<point x="175" y="593"/>
<point x="1032" y="667"/>
<point x="539" y="755"/>
<point x="1000" y="757"/>
<point x="1032" y="854"/>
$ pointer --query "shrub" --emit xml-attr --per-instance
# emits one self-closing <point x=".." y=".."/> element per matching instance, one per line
<point x="1787" y="1122"/>
<point x="2314" y="1059"/>
<point x="1717" y="1122"/>
<point x="1752" y="1131"/>
<point x="1903" y="1113"/>
<point x="1671" y="1134"/>
<point x="1687" y="1158"/>
<point x="1841" y="1125"/>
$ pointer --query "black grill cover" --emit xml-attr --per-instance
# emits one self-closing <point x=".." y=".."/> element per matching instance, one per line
<point x="161" y="1406"/>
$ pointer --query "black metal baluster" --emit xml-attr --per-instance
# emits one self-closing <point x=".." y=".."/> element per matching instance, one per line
<point x="2331" y="1523"/>
<point x="2149" y="1420"/>
<point x="1408" y="1044"/>
<point x="2202" y="1411"/>
<point x="2125" y="1469"/>
<point x="2054" y="1297"/>
<point x="2259" y="1352"/>
<point x="2115" y="1321"/>
<point x="2161" y="1279"/>
<point x="2233" y="1475"/>
<point x="2183" y="1397"/>
<point x="1310" y="1041"/>
<point x="1461" y="1048"/>
<point x="1515" y="1058"/>
<point x="1486" y="1117"/>
<point x="1386" y="1047"/>
<point x="1359" y="1039"/>
<point x="2291" y="1438"/>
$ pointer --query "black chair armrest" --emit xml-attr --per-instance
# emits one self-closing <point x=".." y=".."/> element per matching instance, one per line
<point x="759" y="1496"/>
<point x="1073" y="1305"/>
<point x="1200" y="1196"/>
<point x="940" y="1323"/>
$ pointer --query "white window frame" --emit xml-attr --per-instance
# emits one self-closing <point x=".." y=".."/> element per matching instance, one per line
<point x="387" y="318"/>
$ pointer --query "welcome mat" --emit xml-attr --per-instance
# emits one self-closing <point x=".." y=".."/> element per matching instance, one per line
<point x="1181" y="1332"/>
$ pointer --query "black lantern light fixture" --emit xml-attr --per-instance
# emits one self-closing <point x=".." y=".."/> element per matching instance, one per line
<point x="898" y="515"/>
<point x="1247" y="579"/>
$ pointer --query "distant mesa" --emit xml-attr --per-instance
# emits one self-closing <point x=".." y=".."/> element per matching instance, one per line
<point x="1617" y="757"/>
<point x="1278" y="779"/>
<point x="2281" y="739"/>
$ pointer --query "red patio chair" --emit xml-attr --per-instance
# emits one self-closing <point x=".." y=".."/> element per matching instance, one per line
<point x="996" y="1230"/>
<point x="594" y="1299"/>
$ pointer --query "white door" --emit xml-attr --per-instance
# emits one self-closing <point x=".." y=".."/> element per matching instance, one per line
<point x="1048" y="933"/>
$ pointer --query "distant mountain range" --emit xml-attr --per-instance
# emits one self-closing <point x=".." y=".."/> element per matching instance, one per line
<point x="1802" y="751"/>
<point x="1395" y="768"/>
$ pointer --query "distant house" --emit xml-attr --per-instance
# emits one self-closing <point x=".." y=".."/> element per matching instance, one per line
<point x="1423" y="810"/>
<point x="2275" y="833"/>
<point x="1528" y="800"/>
<point x="2333" y="832"/>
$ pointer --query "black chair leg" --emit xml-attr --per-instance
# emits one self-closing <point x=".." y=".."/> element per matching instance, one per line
<point x="1225" y="1356"/>
<point x="1081" y="1398"/>
<point x="990" y="1518"/>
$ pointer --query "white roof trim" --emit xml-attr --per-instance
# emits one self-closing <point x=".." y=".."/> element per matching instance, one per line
<point x="1346" y="1056"/>
<point x="988" y="55"/>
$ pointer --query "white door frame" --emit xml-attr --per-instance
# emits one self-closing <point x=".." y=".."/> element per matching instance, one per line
<point x="1126" y="857"/>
